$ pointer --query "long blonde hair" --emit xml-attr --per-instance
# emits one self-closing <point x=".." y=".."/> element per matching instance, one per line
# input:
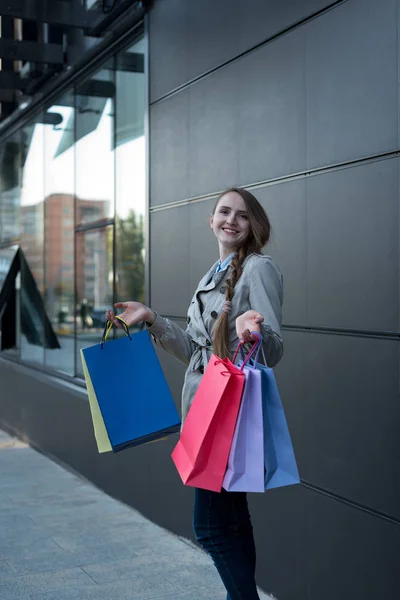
<point x="260" y="231"/>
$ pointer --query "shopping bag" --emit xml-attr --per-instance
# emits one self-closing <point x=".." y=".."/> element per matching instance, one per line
<point x="129" y="397"/>
<point x="245" y="472"/>
<point x="201" y="455"/>
<point x="280" y="462"/>
<point x="276" y="453"/>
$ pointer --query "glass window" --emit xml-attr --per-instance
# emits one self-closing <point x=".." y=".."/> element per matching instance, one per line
<point x="10" y="153"/>
<point x="59" y="182"/>
<point x="95" y="277"/>
<point x="130" y="173"/>
<point x="70" y="181"/>
<point x="94" y="131"/>
<point x="32" y="240"/>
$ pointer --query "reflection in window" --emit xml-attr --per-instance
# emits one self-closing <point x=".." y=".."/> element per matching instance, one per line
<point x="94" y="146"/>
<point x="130" y="172"/>
<point x="64" y="178"/>
<point x="59" y="233"/>
<point x="94" y="268"/>
<point x="10" y="154"/>
<point x="32" y="224"/>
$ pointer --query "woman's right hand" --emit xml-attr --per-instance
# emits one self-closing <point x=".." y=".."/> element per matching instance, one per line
<point x="134" y="312"/>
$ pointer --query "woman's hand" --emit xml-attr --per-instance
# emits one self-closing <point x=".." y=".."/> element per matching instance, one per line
<point x="247" y="322"/>
<point x="134" y="312"/>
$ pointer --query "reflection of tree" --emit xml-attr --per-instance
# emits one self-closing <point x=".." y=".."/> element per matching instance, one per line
<point x="130" y="262"/>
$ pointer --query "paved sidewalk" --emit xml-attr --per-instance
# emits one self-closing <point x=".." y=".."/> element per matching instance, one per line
<point x="62" y="538"/>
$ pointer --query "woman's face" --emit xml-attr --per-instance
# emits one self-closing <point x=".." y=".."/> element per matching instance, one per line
<point x="230" y="222"/>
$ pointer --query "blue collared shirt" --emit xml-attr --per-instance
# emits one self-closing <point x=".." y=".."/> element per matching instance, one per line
<point x="221" y="266"/>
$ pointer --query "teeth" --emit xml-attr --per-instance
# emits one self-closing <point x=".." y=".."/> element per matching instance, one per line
<point x="230" y="230"/>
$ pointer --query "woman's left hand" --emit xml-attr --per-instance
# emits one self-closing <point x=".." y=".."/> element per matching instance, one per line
<point x="247" y="322"/>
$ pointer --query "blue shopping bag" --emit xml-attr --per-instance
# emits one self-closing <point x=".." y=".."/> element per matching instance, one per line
<point x="279" y="459"/>
<point x="130" y="400"/>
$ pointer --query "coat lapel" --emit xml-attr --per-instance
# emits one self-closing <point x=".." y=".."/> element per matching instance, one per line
<point x="208" y="283"/>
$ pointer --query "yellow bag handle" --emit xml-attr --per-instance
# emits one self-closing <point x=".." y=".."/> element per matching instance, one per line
<point x="109" y="326"/>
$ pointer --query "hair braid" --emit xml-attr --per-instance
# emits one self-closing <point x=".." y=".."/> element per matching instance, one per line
<point x="221" y="331"/>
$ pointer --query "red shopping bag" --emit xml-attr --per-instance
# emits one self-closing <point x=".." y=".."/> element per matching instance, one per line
<point x="201" y="455"/>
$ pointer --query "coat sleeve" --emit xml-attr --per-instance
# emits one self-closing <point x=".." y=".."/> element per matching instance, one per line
<point x="266" y="297"/>
<point x="171" y="338"/>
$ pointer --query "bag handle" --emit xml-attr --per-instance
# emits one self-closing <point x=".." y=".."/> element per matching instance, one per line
<point x="254" y="359"/>
<point x="107" y="328"/>
<point x="255" y="348"/>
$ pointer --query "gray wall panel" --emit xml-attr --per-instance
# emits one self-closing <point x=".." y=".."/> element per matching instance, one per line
<point x="286" y="208"/>
<point x="214" y="148"/>
<point x="344" y="416"/>
<point x="352" y="554"/>
<point x="188" y="39"/>
<point x="272" y="109"/>
<point x="261" y="19"/>
<point x="169" y="292"/>
<point x="169" y="143"/>
<point x="331" y="550"/>
<point x="291" y="376"/>
<point x="168" y="54"/>
<point x="174" y="370"/>
<point x="280" y="519"/>
<point x="352" y="236"/>
<point x="352" y="87"/>
<point x="203" y="249"/>
<point x="212" y="35"/>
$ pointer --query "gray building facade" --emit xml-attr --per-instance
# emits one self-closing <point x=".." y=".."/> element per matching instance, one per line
<point x="299" y="103"/>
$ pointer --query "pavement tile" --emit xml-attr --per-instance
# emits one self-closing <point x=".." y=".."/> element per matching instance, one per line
<point x="61" y="559"/>
<point x="23" y="548"/>
<point x="181" y="575"/>
<point x="137" y="588"/>
<point x="43" y="582"/>
<point x="5" y="569"/>
<point x="61" y="595"/>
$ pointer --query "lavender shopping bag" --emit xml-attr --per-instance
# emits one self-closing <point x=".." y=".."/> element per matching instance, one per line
<point x="245" y="472"/>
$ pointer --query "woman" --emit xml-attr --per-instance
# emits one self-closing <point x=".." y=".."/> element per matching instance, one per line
<point x="240" y="294"/>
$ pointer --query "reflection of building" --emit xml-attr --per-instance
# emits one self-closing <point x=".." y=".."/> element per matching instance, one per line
<point x="91" y="266"/>
<point x="32" y="240"/>
<point x="91" y="253"/>
<point x="59" y="255"/>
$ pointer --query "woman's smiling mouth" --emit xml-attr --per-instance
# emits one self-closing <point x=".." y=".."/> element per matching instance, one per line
<point x="227" y="230"/>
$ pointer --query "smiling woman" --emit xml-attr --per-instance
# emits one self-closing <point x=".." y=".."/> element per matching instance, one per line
<point x="252" y="285"/>
<point x="230" y="223"/>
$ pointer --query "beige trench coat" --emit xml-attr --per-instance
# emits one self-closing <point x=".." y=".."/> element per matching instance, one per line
<point x="259" y="288"/>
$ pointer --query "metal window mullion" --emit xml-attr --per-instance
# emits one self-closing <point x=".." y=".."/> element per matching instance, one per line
<point x="44" y="243"/>
<point x="114" y="244"/>
<point x="147" y="162"/>
<point x="75" y="243"/>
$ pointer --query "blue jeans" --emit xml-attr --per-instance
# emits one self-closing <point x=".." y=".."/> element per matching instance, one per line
<point x="222" y="526"/>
